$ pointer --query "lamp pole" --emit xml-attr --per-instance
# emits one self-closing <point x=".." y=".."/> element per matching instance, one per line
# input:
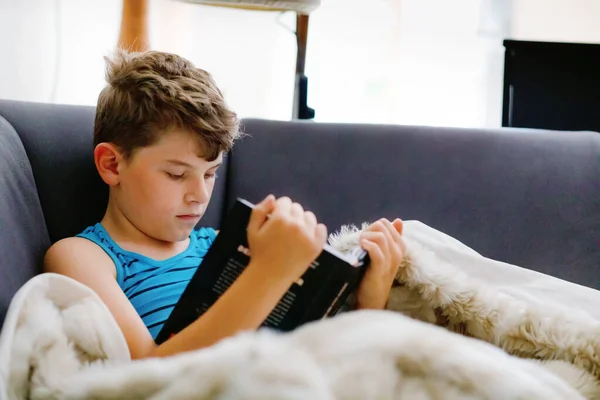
<point x="134" y="32"/>
<point x="301" y="109"/>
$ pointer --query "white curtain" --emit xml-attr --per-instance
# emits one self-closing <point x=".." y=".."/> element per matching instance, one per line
<point x="424" y="62"/>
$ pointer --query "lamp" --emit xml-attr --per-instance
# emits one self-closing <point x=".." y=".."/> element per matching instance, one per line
<point x="302" y="8"/>
<point x="299" y="6"/>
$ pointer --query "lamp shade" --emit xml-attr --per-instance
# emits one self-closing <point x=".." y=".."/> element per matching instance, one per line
<point x="299" y="6"/>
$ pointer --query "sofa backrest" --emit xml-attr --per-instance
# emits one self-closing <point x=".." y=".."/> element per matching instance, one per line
<point x="58" y="142"/>
<point x="526" y="197"/>
<point x="23" y="234"/>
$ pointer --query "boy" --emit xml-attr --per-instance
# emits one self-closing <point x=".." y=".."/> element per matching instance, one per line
<point x="160" y="132"/>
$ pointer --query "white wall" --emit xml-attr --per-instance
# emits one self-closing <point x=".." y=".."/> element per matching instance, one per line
<point x="557" y="20"/>
<point x="52" y="50"/>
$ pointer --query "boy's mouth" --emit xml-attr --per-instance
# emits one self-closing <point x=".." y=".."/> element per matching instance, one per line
<point x="189" y="217"/>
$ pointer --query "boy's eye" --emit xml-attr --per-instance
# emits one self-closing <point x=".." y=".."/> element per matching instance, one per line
<point x="174" y="176"/>
<point x="210" y="176"/>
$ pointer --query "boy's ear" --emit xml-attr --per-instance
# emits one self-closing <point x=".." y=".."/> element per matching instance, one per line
<point x="107" y="158"/>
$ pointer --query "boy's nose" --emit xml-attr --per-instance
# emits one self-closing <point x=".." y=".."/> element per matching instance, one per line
<point x="198" y="192"/>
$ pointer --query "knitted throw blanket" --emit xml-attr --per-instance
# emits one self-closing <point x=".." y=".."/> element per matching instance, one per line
<point x="458" y="326"/>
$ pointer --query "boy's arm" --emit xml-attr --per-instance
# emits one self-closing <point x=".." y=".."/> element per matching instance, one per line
<point x="243" y="309"/>
<point x="284" y="240"/>
<point x="84" y="261"/>
<point x="244" y="306"/>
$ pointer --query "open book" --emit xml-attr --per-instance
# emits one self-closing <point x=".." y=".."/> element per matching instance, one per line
<point x="319" y="293"/>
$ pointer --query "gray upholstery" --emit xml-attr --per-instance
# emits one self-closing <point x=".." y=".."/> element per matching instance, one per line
<point x="527" y="197"/>
<point x="23" y="234"/>
<point x="58" y="142"/>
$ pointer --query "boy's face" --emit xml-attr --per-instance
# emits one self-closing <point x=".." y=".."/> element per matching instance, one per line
<point x="164" y="189"/>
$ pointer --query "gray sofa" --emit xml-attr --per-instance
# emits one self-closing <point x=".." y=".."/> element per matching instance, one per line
<point x="526" y="197"/>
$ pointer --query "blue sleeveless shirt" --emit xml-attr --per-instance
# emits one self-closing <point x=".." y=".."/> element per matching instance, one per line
<point x="152" y="286"/>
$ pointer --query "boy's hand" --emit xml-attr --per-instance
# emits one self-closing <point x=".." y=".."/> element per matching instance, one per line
<point x="284" y="239"/>
<point x="383" y="241"/>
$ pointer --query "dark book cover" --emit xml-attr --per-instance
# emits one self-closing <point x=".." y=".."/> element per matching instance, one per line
<point x="319" y="293"/>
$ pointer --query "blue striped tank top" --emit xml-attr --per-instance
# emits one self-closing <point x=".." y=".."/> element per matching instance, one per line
<point x="153" y="287"/>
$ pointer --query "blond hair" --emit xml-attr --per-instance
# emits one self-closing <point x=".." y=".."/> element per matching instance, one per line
<point x="152" y="92"/>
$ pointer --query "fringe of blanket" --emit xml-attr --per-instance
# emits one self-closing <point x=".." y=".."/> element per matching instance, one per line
<point x="433" y="290"/>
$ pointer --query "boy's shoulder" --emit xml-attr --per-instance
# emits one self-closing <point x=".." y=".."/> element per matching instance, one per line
<point x="84" y="250"/>
<point x="74" y="255"/>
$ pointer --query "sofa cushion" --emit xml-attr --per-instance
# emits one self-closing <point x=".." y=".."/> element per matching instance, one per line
<point x="521" y="196"/>
<point x="23" y="234"/>
<point x="58" y="140"/>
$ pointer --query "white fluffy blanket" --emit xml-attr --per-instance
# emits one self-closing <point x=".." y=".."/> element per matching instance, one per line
<point x="502" y="332"/>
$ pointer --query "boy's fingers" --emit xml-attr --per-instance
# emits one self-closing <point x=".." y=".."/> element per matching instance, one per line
<point x="394" y="234"/>
<point x="380" y="240"/>
<point x="321" y="233"/>
<point x="260" y="212"/>
<point x="398" y="246"/>
<point x="385" y="229"/>
<point x="375" y="253"/>
<point x="310" y="219"/>
<point x="296" y="211"/>
<point x="376" y="237"/>
<point x="284" y="205"/>
<point x="399" y="225"/>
